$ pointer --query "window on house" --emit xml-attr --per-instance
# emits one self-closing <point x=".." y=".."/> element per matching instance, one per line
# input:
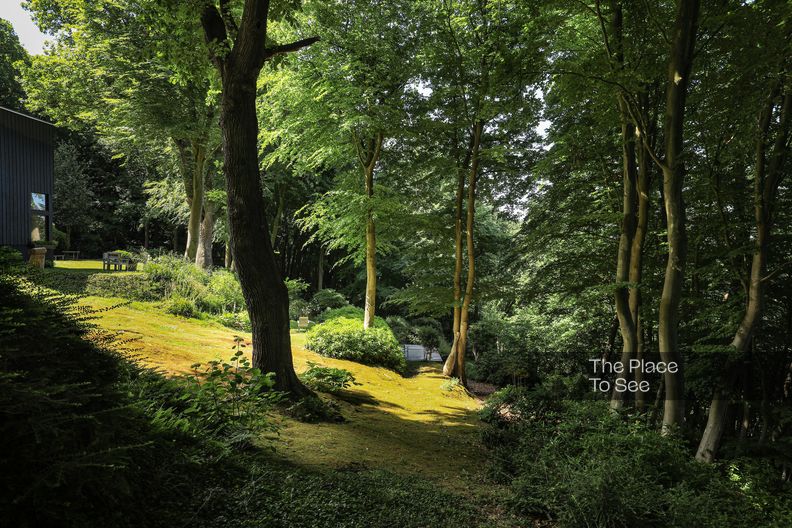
<point x="39" y="217"/>
<point x="38" y="227"/>
<point x="38" y="201"/>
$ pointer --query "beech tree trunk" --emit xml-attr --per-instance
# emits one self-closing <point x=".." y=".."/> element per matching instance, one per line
<point x="456" y="358"/>
<point x="277" y="219"/>
<point x="679" y="70"/>
<point x="627" y="324"/>
<point x="192" y="156"/>
<point x="228" y="260"/>
<point x="203" y="257"/>
<point x="629" y="264"/>
<point x="320" y="270"/>
<point x="449" y="367"/>
<point x="369" y="154"/>
<point x="636" y="262"/>
<point x="265" y="293"/>
<point x="766" y="180"/>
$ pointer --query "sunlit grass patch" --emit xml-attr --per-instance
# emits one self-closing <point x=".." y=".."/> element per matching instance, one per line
<point x="79" y="264"/>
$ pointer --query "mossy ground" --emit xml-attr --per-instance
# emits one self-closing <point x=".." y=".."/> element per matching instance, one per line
<point x="79" y="264"/>
<point x="408" y="425"/>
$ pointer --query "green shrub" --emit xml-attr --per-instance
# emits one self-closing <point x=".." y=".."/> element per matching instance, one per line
<point x="402" y="329"/>
<point x="236" y="320"/>
<point x="451" y="385"/>
<point x="581" y="465"/>
<point x="327" y="379"/>
<point x="178" y="305"/>
<point x="132" y="286"/>
<point x="227" y="399"/>
<point x="223" y="293"/>
<point x="10" y="259"/>
<point x="326" y="299"/>
<point x="214" y="292"/>
<point x="345" y="338"/>
<point x="177" y="276"/>
<point x="430" y="337"/>
<point x="351" y="312"/>
<point x="297" y="308"/>
<point x="61" y="237"/>
<point x="296" y="288"/>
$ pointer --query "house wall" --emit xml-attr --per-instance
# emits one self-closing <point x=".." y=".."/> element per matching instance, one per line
<point x="26" y="166"/>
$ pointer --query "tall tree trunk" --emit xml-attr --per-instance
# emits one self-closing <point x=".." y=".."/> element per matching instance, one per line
<point x="369" y="163"/>
<point x="679" y="70"/>
<point x="259" y="275"/>
<point x="228" y="260"/>
<point x="449" y="367"/>
<point x="627" y="325"/>
<point x="203" y="257"/>
<point x="636" y="263"/>
<point x="146" y="232"/>
<point x="766" y="180"/>
<point x="320" y="270"/>
<point x="277" y="219"/>
<point x="461" y="342"/>
<point x="192" y="156"/>
<point x="634" y="216"/>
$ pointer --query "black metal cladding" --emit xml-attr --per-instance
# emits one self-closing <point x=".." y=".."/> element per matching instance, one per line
<point x="26" y="167"/>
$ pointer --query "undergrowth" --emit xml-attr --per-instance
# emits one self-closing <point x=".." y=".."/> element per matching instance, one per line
<point x="90" y="438"/>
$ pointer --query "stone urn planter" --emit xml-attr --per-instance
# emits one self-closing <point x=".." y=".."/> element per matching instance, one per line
<point x="37" y="255"/>
<point x="49" y="245"/>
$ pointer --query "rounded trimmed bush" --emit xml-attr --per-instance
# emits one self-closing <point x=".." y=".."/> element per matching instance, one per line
<point x="345" y="338"/>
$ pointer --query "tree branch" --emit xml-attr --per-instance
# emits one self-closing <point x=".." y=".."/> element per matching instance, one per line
<point x="773" y="274"/>
<point x="228" y="19"/>
<point x="288" y="48"/>
<point x="214" y="31"/>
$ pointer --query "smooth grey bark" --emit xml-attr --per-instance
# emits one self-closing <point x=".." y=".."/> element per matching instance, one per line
<point x="368" y="156"/>
<point x="679" y="71"/>
<point x="192" y="161"/>
<point x="767" y="177"/>
<point x="203" y="256"/>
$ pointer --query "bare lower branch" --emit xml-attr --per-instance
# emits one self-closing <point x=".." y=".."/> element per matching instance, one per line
<point x="288" y="48"/>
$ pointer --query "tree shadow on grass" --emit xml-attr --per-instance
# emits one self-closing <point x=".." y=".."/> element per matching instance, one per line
<point x="440" y="444"/>
<point x="419" y="367"/>
<point x="359" y="397"/>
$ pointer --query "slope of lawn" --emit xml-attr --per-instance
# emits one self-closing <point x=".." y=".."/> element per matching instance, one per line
<point x="79" y="264"/>
<point x="409" y="425"/>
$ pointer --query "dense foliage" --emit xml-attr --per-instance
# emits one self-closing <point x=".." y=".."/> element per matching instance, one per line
<point x="522" y="187"/>
<point x="577" y="463"/>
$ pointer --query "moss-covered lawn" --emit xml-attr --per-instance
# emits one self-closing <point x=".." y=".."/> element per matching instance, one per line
<point x="79" y="264"/>
<point x="409" y="425"/>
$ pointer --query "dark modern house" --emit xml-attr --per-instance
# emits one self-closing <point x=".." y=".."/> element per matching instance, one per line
<point x="26" y="179"/>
